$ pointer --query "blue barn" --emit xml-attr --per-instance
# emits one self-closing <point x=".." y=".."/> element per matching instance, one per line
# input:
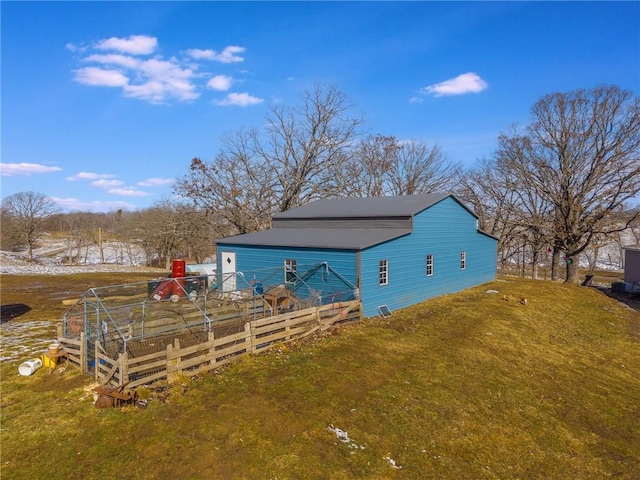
<point x="392" y="251"/>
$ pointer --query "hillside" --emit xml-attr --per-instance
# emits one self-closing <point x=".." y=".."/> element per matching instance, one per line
<point x="475" y="385"/>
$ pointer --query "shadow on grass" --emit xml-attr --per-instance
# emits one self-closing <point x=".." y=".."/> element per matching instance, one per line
<point x="9" y="312"/>
<point x="631" y="300"/>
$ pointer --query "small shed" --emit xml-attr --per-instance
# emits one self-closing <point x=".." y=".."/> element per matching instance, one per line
<point x="396" y="251"/>
<point x="632" y="264"/>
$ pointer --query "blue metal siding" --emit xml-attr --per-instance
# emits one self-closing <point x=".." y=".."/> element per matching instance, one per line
<point x="255" y="262"/>
<point x="444" y="230"/>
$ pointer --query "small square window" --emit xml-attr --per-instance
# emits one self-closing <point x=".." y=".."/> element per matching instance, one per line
<point x="383" y="272"/>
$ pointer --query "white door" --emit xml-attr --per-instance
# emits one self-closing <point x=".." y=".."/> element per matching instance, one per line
<point x="228" y="271"/>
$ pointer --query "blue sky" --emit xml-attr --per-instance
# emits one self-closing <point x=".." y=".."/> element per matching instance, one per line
<point x="104" y="104"/>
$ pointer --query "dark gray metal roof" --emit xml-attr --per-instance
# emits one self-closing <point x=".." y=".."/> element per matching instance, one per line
<point x="402" y="205"/>
<point x="335" y="238"/>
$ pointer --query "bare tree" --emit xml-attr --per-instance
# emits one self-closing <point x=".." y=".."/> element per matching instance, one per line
<point x="581" y="155"/>
<point x="201" y="231"/>
<point x="28" y="212"/>
<point x="171" y="230"/>
<point x="489" y="189"/>
<point x="306" y="142"/>
<point x="362" y="170"/>
<point x="418" y="167"/>
<point x="256" y="175"/>
<point x="10" y="238"/>
<point x="238" y="185"/>
<point x="382" y="165"/>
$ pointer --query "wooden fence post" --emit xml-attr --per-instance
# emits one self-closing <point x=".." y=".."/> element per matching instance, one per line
<point x="83" y="353"/>
<point x="212" y="351"/>
<point x="170" y="363"/>
<point x="247" y="329"/>
<point x="124" y="368"/>
<point x="96" y="355"/>
<point x="173" y="364"/>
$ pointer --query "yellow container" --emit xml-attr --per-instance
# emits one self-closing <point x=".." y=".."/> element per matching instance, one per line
<point x="49" y="362"/>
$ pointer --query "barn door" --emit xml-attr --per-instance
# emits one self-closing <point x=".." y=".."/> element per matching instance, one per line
<point x="228" y="271"/>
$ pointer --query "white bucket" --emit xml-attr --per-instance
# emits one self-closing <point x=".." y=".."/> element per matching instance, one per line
<point x="29" y="367"/>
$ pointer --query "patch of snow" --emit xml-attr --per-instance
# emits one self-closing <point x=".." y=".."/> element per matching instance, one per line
<point x="393" y="463"/>
<point x="48" y="259"/>
<point x="344" y="438"/>
<point x="22" y="340"/>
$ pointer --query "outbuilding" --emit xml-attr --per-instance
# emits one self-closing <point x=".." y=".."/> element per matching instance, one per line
<point x="394" y="251"/>
<point x="632" y="264"/>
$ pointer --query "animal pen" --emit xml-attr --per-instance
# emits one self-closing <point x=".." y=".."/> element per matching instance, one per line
<point x="140" y="333"/>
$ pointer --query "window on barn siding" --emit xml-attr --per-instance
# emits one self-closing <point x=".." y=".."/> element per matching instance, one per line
<point x="463" y="260"/>
<point x="429" y="265"/>
<point x="290" y="268"/>
<point x="383" y="272"/>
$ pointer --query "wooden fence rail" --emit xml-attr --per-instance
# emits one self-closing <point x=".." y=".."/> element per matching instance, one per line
<point x="75" y="350"/>
<point x="174" y="361"/>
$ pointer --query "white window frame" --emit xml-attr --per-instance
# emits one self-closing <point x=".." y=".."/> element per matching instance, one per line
<point x="429" y="264"/>
<point x="290" y="270"/>
<point x="383" y="272"/>
<point x="463" y="260"/>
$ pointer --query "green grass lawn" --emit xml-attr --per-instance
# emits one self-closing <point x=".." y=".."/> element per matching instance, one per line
<point x="466" y="386"/>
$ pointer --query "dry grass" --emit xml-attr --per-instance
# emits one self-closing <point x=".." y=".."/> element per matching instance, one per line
<point x="467" y="386"/>
<point x="44" y="294"/>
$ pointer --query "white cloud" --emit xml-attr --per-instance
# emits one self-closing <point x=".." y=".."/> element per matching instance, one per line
<point x="416" y="100"/>
<point x="158" y="91"/>
<point x="128" y="192"/>
<point x="199" y="54"/>
<point x="465" y="83"/>
<point x="106" y="183"/>
<point x="239" y="99"/>
<point x="156" y="182"/>
<point x="228" y="55"/>
<point x="220" y="82"/>
<point x="10" y="169"/>
<point x="134" y="44"/>
<point x="90" y="176"/>
<point x="100" y="77"/>
<point x="114" y="59"/>
<point x="163" y="80"/>
<point x="75" y="48"/>
<point x="155" y="79"/>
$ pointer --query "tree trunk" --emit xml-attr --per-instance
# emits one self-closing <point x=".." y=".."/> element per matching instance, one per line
<point x="534" y="264"/>
<point x="100" y="245"/>
<point x="573" y="273"/>
<point x="554" y="263"/>
<point x="594" y="261"/>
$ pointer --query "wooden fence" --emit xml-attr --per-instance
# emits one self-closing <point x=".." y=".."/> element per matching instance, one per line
<point x="175" y="360"/>
<point x="75" y="350"/>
